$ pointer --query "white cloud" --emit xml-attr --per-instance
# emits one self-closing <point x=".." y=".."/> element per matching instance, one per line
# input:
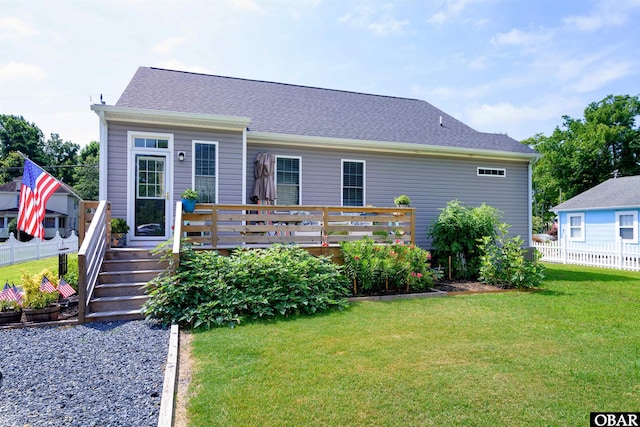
<point x="20" y="71"/>
<point x="14" y="28"/>
<point x="247" y="6"/>
<point x="452" y="10"/>
<point x="168" y="45"/>
<point x="604" y="74"/>
<point x="605" y="14"/>
<point x="516" y="37"/>
<point x="379" y="21"/>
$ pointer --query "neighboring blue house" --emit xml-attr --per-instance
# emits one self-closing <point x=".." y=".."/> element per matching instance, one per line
<point x="603" y="214"/>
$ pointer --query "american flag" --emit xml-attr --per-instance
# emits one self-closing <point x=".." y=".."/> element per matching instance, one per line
<point x="17" y="292"/>
<point x="7" y="293"/>
<point x="37" y="186"/>
<point x="65" y="289"/>
<point x="46" y="285"/>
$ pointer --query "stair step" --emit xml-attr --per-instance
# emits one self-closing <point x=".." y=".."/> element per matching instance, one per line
<point x="130" y="253"/>
<point x="103" y="304"/>
<point x="134" y="264"/>
<point x="114" y="315"/>
<point x="127" y="276"/>
<point x="119" y="289"/>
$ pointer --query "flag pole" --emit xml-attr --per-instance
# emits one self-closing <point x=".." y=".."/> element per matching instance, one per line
<point x="64" y="185"/>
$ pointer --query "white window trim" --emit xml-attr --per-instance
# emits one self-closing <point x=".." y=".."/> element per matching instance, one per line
<point x="299" y="172"/>
<point x="364" y="180"/>
<point x="503" y="170"/>
<point x="634" y="238"/>
<point x="582" y="227"/>
<point x="193" y="163"/>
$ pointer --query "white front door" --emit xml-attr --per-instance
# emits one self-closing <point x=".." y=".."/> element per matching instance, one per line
<point x="149" y="196"/>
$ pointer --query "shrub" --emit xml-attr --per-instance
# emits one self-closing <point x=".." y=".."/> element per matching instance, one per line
<point x="211" y="290"/>
<point x="455" y="234"/>
<point x="376" y="268"/>
<point x="503" y="262"/>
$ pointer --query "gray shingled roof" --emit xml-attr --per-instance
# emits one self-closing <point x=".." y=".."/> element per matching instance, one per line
<point x="613" y="193"/>
<point x="309" y="111"/>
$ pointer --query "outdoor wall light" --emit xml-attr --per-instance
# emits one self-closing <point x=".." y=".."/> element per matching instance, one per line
<point x="181" y="156"/>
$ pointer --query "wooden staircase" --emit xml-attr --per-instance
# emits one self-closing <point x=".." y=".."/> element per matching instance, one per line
<point x="120" y="292"/>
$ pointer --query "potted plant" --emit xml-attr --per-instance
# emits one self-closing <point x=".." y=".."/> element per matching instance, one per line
<point x="189" y="199"/>
<point x="119" y="230"/>
<point x="39" y="305"/>
<point x="402" y="200"/>
<point x="10" y="312"/>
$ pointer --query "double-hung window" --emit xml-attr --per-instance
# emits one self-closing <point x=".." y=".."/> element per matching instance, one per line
<point x="353" y="183"/>
<point x="288" y="180"/>
<point x="205" y="170"/>
<point x="576" y="227"/>
<point x="627" y="226"/>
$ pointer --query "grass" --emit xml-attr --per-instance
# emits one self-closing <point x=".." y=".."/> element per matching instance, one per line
<point x="12" y="273"/>
<point x="543" y="358"/>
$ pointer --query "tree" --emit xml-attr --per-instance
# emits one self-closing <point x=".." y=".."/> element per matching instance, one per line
<point x="86" y="174"/>
<point x="16" y="134"/>
<point x="10" y="167"/>
<point x="586" y="152"/>
<point x="62" y="154"/>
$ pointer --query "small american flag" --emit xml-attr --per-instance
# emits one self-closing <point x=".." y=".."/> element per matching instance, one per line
<point x="7" y="293"/>
<point x="46" y="285"/>
<point x="17" y="292"/>
<point x="37" y="186"/>
<point x="65" y="289"/>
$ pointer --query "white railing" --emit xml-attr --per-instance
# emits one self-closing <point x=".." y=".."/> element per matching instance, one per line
<point x="14" y="251"/>
<point x="616" y="255"/>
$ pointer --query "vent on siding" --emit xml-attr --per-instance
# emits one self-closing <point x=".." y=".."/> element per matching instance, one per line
<point x="492" y="172"/>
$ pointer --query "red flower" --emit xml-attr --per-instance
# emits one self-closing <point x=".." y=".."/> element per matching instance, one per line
<point x="357" y="258"/>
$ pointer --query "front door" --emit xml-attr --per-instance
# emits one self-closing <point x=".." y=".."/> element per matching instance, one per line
<point x="151" y="198"/>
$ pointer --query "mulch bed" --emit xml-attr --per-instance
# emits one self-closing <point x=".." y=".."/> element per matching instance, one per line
<point x="464" y="286"/>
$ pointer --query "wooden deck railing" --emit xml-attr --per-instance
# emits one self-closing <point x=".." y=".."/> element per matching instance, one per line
<point x="92" y="249"/>
<point x="225" y="226"/>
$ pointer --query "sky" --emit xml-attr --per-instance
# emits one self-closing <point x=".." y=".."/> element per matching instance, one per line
<point x="503" y="66"/>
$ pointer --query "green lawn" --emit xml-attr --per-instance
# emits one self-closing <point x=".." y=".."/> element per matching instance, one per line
<point x="12" y="273"/>
<point x="543" y="358"/>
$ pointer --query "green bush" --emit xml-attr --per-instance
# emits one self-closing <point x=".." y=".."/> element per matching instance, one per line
<point x="456" y="232"/>
<point x="211" y="290"/>
<point x="377" y="269"/>
<point x="503" y="262"/>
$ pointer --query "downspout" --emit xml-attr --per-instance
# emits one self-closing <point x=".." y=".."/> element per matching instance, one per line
<point x="244" y="167"/>
<point x="104" y="132"/>
<point x="530" y="191"/>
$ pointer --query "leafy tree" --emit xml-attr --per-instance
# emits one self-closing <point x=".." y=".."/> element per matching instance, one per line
<point x="16" y="134"/>
<point x="457" y="232"/>
<point x="586" y="152"/>
<point x="62" y="154"/>
<point x="86" y="174"/>
<point x="10" y="167"/>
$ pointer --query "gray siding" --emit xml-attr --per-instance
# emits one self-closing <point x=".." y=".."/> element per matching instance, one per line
<point x="431" y="182"/>
<point x="229" y="159"/>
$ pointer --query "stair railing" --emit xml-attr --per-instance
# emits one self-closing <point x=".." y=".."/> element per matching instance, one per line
<point x="92" y="251"/>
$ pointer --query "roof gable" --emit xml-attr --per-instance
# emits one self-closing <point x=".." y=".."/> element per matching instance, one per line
<point x="614" y="193"/>
<point x="300" y="110"/>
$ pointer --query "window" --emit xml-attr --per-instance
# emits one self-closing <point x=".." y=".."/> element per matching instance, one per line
<point x="205" y="170"/>
<point x="49" y="223"/>
<point x="353" y="182"/>
<point x="151" y="142"/>
<point x="576" y="227"/>
<point x="288" y="180"/>
<point x="492" y="172"/>
<point x="627" y="226"/>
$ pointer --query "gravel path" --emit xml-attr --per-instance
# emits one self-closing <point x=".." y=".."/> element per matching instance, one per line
<point x="100" y="374"/>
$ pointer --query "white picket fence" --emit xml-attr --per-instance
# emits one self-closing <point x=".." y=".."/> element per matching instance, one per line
<point x="616" y="255"/>
<point x="14" y="251"/>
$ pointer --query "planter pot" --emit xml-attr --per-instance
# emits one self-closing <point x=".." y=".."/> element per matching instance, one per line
<point x="43" y="314"/>
<point x="118" y="240"/>
<point x="188" y="205"/>
<point x="7" y="317"/>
